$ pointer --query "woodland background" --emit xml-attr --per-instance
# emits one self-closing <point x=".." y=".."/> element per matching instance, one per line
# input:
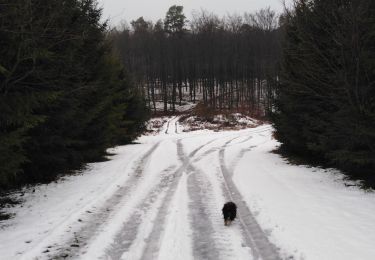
<point x="70" y="86"/>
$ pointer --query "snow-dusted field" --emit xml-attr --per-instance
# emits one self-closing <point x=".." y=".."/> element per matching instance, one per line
<point x="162" y="199"/>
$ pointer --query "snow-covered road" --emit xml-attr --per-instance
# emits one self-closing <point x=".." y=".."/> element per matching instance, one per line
<point x="162" y="199"/>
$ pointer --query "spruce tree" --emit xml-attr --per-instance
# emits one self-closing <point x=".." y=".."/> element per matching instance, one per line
<point x="64" y="97"/>
<point x="325" y="106"/>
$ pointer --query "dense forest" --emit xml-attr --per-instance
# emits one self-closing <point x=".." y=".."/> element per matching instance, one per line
<point x="229" y="63"/>
<point x="70" y="88"/>
<point x="310" y="70"/>
<point x="326" y="96"/>
<point x="64" y="97"/>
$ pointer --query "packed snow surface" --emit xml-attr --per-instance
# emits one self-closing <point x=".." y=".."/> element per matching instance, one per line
<point x="162" y="197"/>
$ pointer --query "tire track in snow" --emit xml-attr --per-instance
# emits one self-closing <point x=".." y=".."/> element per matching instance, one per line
<point x="254" y="236"/>
<point x="244" y="150"/>
<point x="204" y="245"/>
<point x="211" y="239"/>
<point x="215" y="149"/>
<point x="151" y="250"/>
<point x="174" y="124"/>
<point x="126" y="237"/>
<point x="204" y="241"/>
<point x="93" y="221"/>
<point x="166" y="130"/>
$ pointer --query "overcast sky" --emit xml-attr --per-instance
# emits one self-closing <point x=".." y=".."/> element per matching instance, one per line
<point x="118" y="10"/>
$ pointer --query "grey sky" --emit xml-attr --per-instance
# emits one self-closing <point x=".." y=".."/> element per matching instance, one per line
<point x="118" y="10"/>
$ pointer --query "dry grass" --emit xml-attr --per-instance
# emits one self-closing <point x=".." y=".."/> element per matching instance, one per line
<point x="205" y="117"/>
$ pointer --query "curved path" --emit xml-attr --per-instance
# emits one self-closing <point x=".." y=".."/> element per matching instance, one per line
<point x="170" y="206"/>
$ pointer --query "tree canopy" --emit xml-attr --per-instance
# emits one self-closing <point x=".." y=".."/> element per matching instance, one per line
<point x="326" y="104"/>
<point x="230" y="62"/>
<point x="175" y="20"/>
<point x="64" y="98"/>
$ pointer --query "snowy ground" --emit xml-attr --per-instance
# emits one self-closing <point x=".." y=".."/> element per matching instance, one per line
<point x="162" y="199"/>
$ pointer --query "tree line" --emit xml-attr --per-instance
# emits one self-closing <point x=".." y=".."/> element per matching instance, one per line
<point x="326" y="96"/>
<point x="310" y="69"/>
<point x="64" y="97"/>
<point x="229" y="62"/>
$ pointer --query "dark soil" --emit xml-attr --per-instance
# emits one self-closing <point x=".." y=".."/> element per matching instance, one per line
<point x="6" y="202"/>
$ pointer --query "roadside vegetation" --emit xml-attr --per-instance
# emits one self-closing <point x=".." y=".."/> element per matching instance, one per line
<point x="325" y="106"/>
<point x="70" y="87"/>
<point x="309" y="70"/>
<point x="64" y="96"/>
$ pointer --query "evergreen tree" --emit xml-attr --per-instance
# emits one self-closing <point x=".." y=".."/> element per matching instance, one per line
<point x="64" y="97"/>
<point x="326" y="98"/>
<point x="175" y="20"/>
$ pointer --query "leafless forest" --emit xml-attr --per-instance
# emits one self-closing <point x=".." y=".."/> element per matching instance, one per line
<point x="229" y="62"/>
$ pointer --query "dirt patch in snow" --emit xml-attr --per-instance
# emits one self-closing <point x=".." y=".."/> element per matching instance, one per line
<point x="154" y="125"/>
<point x="204" y="117"/>
<point x="193" y="117"/>
<point x="218" y="122"/>
<point x="6" y="201"/>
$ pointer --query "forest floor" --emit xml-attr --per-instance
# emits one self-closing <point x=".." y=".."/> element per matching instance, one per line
<point x="161" y="198"/>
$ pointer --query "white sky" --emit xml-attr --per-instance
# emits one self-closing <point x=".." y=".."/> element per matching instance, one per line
<point x="119" y="10"/>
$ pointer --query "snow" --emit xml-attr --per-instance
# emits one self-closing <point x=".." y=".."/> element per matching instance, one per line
<point x="162" y="199"/>
<point x="310" y="212"/>
<point x="173" y="248"/>
<point x="51" y="208"/>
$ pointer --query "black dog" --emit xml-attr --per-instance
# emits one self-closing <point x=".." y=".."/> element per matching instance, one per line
<point x="229" y="212"/>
